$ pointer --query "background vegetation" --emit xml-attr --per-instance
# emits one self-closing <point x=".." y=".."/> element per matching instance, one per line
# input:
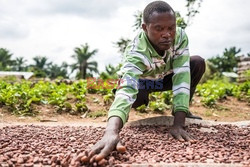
<point x="21" y="97"/>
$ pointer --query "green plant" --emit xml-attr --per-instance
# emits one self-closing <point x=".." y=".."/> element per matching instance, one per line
<point x="142" y="108"/>
<point x="158" y="106"/>
<point x="81" y="107"/>
<point x="108" y="99"/>
<point x="242" y="91"/>
<point x="246" y="74"/>
<point x="214" y="90"/>
<point x="19" y="97"/>
<point x="167" y="97"/>
<point x="96" y="114"/>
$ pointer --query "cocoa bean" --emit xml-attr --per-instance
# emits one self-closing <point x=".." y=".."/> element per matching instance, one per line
<point x="65" y="145"/>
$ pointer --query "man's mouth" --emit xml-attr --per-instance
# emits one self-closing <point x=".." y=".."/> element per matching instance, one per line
<point x="166" y="43"/>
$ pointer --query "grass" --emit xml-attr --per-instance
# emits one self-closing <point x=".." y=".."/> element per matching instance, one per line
<point x="96" y="114"/>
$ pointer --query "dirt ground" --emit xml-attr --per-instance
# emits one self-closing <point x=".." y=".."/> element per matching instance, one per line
<point x="228" y="110"/>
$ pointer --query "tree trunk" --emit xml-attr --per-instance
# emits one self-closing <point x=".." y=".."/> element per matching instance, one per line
<point x="84" y="69"/>
<point x="81" y="71"/>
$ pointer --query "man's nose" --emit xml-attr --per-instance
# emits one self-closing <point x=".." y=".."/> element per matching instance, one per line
<point x="166" y="34"/>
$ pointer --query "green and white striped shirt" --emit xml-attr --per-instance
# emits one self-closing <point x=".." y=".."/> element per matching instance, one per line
<point x="141" y="61"/>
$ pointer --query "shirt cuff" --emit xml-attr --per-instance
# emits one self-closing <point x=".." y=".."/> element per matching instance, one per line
<point x="181" y="108"/>
<point x="117" y="113"/>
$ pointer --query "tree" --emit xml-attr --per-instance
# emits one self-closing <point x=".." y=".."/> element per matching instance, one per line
<point x="5" y="59"/>
<point x="58" y="71"/>
<point x="227" y="62"/>
<point x="122" y="44"/>
<point x="19" y="64"/>
<point x="138" y="20"/>
<point x="82" y="56"/>
<point x="110" y="72"/>
<point x="40" y="68"/>
<point x="192" y="9"/>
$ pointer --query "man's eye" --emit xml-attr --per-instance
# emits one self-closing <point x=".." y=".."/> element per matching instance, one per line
<point x="172" y="28"/>
<point x="159" y="28"/>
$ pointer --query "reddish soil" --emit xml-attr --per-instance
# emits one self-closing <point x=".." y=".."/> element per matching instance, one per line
<point x="228" y="110"/>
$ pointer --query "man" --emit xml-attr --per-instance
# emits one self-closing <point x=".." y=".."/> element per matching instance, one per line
<point x="159" y="55"/>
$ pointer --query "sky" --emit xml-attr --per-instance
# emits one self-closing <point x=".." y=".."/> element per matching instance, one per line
<point x="53" y="28"/>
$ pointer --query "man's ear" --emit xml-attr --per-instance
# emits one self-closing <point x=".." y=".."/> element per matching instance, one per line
<point x="144" y="27"/>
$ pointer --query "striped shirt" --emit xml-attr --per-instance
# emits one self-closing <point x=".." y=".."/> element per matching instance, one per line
<point x="141" y="61"/>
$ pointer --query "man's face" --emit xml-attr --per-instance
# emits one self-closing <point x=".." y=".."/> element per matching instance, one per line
<point x="161" y="30"/>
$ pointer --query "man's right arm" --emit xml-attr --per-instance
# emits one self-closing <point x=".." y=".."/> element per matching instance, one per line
<point x="127" y="90"/>
<point x="118" y="114"/>
<point x="107" y="144"/>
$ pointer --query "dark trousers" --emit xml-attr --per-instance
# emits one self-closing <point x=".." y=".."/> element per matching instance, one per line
<point x="197" y="69"/>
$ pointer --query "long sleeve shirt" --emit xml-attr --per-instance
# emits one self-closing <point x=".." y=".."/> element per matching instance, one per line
<point x="141" y="61"/>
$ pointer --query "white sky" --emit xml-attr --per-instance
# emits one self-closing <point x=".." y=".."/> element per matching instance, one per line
<point x="53" y="28"/>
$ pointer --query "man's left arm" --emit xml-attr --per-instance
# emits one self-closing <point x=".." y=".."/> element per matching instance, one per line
<point x="181" y="86"/>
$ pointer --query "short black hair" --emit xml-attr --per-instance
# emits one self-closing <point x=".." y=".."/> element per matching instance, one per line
<point x="156" y="6"/>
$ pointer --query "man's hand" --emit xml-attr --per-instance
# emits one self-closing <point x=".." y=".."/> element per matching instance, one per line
<point x="180" y="134"/>
<point x="178" y="131"/>
<point x="107" y="144"/>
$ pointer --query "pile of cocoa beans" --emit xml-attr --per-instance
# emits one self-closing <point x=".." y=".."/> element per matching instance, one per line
<point x="30" y="145"/>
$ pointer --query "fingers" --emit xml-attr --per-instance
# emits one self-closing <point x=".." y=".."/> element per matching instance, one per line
<point x="186" y="136"/>
<point x="102" y="162"/>
<point x="120" y="148"/>
<point x="102" y="149"/>
<point x="93" y="153"/>
<point x="92" y="159"/>
<point x="182" y="136"/>
<point x="192" y="139"/>
<point x="90" y="155"/>
<point x="83" y="157"/>
<point x="95" y="149"/>
<point x="104" y="153"/>
<point x="177" y="136"/>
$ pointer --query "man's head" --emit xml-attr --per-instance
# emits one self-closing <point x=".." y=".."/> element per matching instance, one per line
<point x="159" y="24"/>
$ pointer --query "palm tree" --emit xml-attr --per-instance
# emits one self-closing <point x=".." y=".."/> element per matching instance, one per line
<point x="82" y="56"/>
<point x="5" y="59"/>
<point x="19" y="64"/>
<point x="41" y="62"/>
<point x="110" y="72"/>
<point x="58" y="71"/>
<point x="41" y="66"/>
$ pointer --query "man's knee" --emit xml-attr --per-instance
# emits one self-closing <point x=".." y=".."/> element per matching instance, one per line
<point x="197" y="63"/>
